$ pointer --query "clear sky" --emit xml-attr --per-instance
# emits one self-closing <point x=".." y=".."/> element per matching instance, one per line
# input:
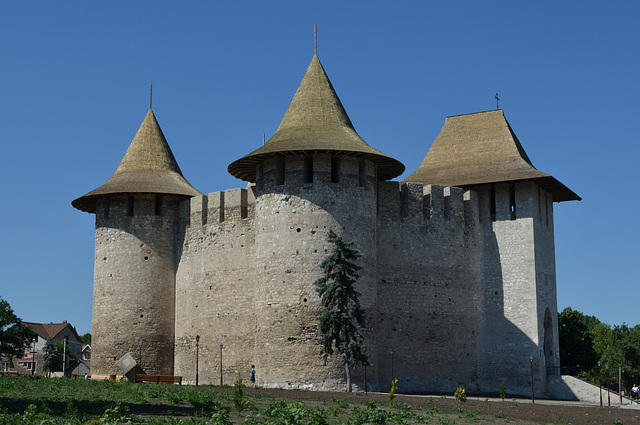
<point x="74" y="89"/>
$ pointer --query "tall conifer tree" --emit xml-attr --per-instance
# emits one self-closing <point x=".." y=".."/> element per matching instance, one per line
<point x="341" y="320"/>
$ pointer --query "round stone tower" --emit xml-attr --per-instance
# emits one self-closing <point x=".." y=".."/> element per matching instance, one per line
<point x="314" y="175"/>
<point x="135" y="257"/>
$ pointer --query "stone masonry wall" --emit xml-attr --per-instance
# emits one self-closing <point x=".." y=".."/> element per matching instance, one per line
<point x="215" y="287"/>
<point x="547" y="307"/>
<point x="459" y="290"/>
<point x="428" y="278"/>
<point x="513" y="319"/>
<point x="293" y="218"/>
<point x="133" y="297"/>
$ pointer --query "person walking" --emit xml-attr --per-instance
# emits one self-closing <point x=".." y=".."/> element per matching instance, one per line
<point x="252" y="377"/>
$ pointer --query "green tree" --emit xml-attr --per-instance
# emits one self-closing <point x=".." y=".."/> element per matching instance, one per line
<point x="86" y="338"/>
<point x="49" y="357"/>
<point x="62" y="350"/>
<point x="576" y="342"/>
<point x="341" y="320"/>
<point x="602" y="335"/>
<point x="15" y="337"/>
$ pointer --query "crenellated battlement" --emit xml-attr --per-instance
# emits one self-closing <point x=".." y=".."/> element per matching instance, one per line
<point x="428" y="203"/>
<point x="218" y="207"/>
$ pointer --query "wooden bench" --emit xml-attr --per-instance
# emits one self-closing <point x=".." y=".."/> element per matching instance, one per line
<point x="9" y="373"/>
<point x="168" y="379"/>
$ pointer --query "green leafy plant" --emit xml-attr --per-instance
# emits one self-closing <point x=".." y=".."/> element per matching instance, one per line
<point x="116" y="414"/>
<point x="460" y="395"/>
<point x="371" y="414"/>
<point x="238" y="396"/>
<point x="221" y="417"/>
<point x="294" y="413"/>
<point x="72" y="415"/>
<point x="430" y="413"/>
<point x="203" y="399"/>
<point x="503" y="391"/>
<point x="33" y="415"/>
<point x="340" y="402"/>
<point x="393" y="390"/>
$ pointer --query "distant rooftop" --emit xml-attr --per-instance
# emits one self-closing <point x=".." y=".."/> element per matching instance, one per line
<point x="50" y="330"/>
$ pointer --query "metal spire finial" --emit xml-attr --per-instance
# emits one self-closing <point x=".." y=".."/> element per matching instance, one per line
<point x="151" y="96"/>
<point x="315" y="39"/>
<point x="497" y="101"/>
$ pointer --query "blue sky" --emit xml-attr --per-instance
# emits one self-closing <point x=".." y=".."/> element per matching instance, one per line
<point x="75" y="89"/>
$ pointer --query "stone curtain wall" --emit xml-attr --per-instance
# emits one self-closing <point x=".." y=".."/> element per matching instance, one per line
<point x="215" y="287"/>
<point x="456" y="287"/>
<point x="429" y="282"/>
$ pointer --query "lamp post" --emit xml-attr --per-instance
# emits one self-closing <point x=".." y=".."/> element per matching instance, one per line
<point x="364" y="351"/>
<point x="33" y="357"/>
<point x="392" y="366"/>
<point x="220" y="364"/>
<point x="533" y="400"/>
<point x="64" y="356"/>
<point x="197" y="353"/>
<point x="600" y="383"/>
<point x="620" y="372"/>
<point x="608" y="392"/>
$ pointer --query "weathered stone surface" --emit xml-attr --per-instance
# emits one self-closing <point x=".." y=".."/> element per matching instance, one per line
<point x="461" y="298"/>
<point x="458" y="284"/>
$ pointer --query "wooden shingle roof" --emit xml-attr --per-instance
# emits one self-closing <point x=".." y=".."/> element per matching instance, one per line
<point x="148" y="166"/>
<point x="315" y="122"/>
<point x="482" y="148"/>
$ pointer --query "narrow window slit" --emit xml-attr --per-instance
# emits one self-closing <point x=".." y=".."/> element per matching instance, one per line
<point x="335" y="170"/>
<point x="308" y="169"/>
<point x="280" y="172"/>
<point x="158" y="205"/>
<point x="362" y="173"/>
<point x="130" y="205"/>
<point x="492" y="203"/>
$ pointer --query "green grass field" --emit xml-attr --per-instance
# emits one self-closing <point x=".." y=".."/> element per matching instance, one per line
<point x="33" y="400"/>
<point x="52" y="401"/>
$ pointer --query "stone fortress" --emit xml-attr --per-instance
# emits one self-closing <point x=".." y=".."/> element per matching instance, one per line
<point x="458" y="278"/>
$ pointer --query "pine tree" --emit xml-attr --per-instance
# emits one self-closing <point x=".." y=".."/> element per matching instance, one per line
<point x="49" y="357"/>
<point x="341" y="320"/>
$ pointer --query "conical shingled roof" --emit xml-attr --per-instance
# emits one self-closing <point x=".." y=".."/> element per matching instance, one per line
<point x="482" y="148"/>
<point x="148" y="166"/>
<point x="315" y="121"/>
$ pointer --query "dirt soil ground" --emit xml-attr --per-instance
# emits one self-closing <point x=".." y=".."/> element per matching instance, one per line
<point x="509" y="411"/>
